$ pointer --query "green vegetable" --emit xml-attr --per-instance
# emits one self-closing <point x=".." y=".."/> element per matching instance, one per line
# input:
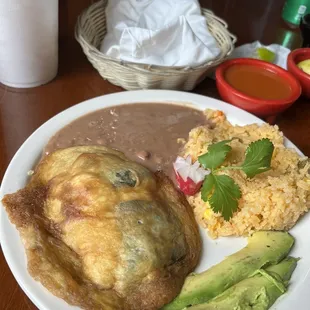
<point x="125" y="177"/>
<point x="264" y="248"/>
<point x="216" y="155"/>
<point x="221" y="191"/>
<point x="257" y="157"/>
<point x="207" y="187"/>
<point x="257" y="292"/>
<point x="225" y="193"/>
<point x="265" y="54"/>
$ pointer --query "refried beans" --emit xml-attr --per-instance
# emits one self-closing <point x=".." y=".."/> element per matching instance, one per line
<point x="147" y="133"/>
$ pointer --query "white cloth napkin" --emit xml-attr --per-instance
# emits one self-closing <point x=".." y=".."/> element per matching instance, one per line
<point x="158" y="32"/>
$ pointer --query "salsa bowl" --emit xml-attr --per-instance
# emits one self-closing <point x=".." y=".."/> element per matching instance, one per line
<point x="293" y="59"/>
<point x="251" y="100"/>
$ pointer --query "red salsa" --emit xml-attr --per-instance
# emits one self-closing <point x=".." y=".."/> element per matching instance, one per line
<point x="258" y="82"/>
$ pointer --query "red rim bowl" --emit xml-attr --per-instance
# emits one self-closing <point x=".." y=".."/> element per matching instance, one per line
<point x="293" y="59"/>
<point x="257" y="106"/>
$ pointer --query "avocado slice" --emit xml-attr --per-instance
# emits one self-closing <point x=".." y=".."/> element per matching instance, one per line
<point x="264" y="248"/>
<point x="258" y="292"/>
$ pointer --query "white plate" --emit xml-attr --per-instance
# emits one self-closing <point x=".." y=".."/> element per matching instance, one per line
<point x="213" y="251"/>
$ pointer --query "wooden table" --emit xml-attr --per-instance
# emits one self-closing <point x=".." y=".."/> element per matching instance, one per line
<point x="22" y="111"/>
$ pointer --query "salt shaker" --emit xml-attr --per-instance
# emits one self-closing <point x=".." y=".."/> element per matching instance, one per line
<point x="28" y="42"/>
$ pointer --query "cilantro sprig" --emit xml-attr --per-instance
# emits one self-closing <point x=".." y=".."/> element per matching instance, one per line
<point x="216" y="154"/>
<point x="258" y="157"/>
<point x="221" y="191"/>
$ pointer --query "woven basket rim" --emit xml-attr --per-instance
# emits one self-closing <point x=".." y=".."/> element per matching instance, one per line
<point x="150" y="68"/>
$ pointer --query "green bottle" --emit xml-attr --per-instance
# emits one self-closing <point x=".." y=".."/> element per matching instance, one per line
<point x="294" y="10"/>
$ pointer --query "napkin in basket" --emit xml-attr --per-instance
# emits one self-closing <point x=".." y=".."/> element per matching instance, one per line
<point x="158" y="32"/>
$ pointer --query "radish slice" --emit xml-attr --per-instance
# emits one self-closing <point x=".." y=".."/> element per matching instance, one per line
<point x="189" y="176"/>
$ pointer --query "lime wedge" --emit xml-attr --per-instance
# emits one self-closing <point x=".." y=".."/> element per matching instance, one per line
<point x="265" y="54"/>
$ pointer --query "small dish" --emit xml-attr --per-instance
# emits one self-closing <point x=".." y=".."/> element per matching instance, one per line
<point x="257" y="105"/>
<point x="293" y="59"/>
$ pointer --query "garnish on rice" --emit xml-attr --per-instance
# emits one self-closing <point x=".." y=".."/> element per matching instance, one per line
<point x="221" y="191"/>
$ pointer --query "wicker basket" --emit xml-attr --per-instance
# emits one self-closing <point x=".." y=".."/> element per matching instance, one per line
<point x="91" y="29"/>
